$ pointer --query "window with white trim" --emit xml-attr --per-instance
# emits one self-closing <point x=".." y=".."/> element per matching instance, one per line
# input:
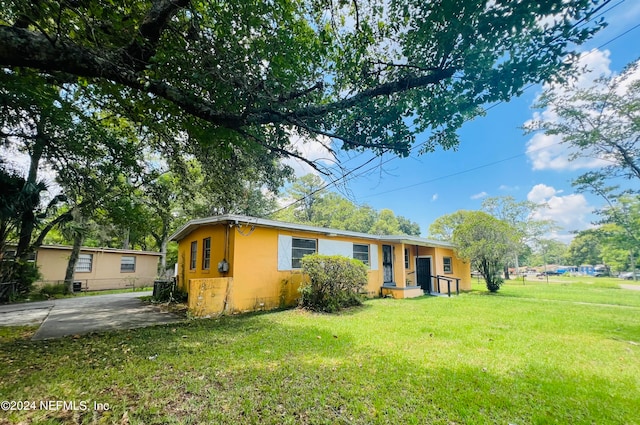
<point x="300" y="248"/>
<point x="127" y="264"/>
<point x="84" y="263"/>
<point x="361" y="252"/>
<point x="447" y="264"/>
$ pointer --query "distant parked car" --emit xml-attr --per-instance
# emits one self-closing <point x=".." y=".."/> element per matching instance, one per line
<point x="626" y="275"/>
<point x="548" y="273"/>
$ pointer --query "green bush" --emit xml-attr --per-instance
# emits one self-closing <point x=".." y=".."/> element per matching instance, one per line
<point x="334" y="282"/>
<point x="53" y="289"/>
<point x="24" y="273"/>
<point x="494" y="283"/>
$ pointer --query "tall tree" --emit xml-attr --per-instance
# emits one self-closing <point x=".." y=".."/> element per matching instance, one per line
<point x="519" y="214"/>
<point x="585" y="248"/>
<point x="549" y="251"/>
<point x="601" y="121"/>
<point x="317" y="206"/>
<point x="621" y="229"/>
<point x="86" y="150"/>
<point x="487" y="242"/>
<point x="443" y="227"/>
<point x="305" y="192"/>
<point x="254" y="74"/>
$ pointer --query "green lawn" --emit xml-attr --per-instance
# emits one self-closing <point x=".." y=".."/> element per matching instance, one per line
<point x="37" y="295"/>
<point x="566" y="353"/>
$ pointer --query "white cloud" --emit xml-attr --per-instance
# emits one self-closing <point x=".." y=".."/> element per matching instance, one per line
<point x="546" y="152"/>
<point x="434" y="197"/>
<point x="507" y="188"/>
<point x="479" y="195"/>
<point x="313" y="150"/>
<point x="540" y="193"/>
<point x="569" y="211"/>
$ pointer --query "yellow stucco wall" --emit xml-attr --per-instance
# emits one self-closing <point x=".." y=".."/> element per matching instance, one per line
<point x="105" y="270"/>
<point x="254" y="281"/>
<point x="209" y="297"/>
<point x="460" y="269"/>
<point x="218" y="236"/>
<point x="260" y="285"/>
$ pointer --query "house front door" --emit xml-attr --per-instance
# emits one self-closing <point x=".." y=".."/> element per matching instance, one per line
<point x="387" y="263"/>
<point x="423" y="270"/>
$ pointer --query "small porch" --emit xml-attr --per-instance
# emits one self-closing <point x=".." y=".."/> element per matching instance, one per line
<point x="413" y="267"/>
<point x="443" y="287"/>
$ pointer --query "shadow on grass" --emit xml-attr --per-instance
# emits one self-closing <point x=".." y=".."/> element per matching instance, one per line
<point x="301" y="367"/>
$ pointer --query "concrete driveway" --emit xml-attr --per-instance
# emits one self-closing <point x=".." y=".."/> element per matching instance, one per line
<point x="81" y="315"/>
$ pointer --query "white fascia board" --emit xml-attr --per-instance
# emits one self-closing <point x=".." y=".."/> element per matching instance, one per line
<point x="254" y="221"/>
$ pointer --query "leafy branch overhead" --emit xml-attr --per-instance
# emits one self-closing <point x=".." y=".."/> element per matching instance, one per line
<point x="372" y="74"/>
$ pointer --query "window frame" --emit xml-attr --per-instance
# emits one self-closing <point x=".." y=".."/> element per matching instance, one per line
<point x="447" y="268"/>
<point x="206" y="253"/>
<point x="295" y="260"/>
<point x="82" y="257"/>
<point x="193" y="255"/>
<point x="127" y="270"/>
<point x="356" y="254"/>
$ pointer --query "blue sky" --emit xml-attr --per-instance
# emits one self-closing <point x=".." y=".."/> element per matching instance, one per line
<point x="496" y="158"/>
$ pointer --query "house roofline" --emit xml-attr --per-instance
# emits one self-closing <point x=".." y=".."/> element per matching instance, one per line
<point x="95" y="249"/>
<point x="263" y="222"/>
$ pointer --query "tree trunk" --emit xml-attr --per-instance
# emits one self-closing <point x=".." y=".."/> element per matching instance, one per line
<point x="78" y="238"/>
<point x="163" y="258"/>
<point x="67" y="216"/>
<point x="27" y="220"/>
<point x="126" y="243"/>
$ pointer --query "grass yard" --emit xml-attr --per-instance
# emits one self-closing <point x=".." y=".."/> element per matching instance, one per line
<point x="565" y="353"/>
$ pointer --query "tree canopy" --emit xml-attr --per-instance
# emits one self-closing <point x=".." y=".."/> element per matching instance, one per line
<point x="320" y="207"/>
<point x="487" y="242"/>
<point x="252" y="74"/>
<point x="598" y="122"/>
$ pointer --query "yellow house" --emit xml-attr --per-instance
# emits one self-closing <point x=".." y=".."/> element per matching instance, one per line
<point x="98" y="268"/>
<point x="234" y="263"/>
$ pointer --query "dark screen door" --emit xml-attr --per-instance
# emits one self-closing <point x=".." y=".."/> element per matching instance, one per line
<point x="423" y="269"/>
<point x="387" y="263"/>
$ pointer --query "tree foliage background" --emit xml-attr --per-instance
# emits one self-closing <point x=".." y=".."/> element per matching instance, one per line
<point x="602" y="123"/>
<point x="315" y="205"/>
<point x="371" y="74"/>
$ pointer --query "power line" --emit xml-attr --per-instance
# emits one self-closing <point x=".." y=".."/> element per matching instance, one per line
<point x="348" y="176"/>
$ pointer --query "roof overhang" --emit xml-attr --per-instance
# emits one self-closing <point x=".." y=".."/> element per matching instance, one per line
<point x="99" y="250"/>
<point x="241" y="220"/>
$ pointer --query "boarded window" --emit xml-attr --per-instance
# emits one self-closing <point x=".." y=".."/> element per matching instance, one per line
<point x="127" y="264"/>
<point x="300" y="248"/>
<point x="192" y="255"/>
<point x="447" y="265"/>
<point x="206" y="253"/>
<point x="85" y="263"/>
<point x="361" y="252"/>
